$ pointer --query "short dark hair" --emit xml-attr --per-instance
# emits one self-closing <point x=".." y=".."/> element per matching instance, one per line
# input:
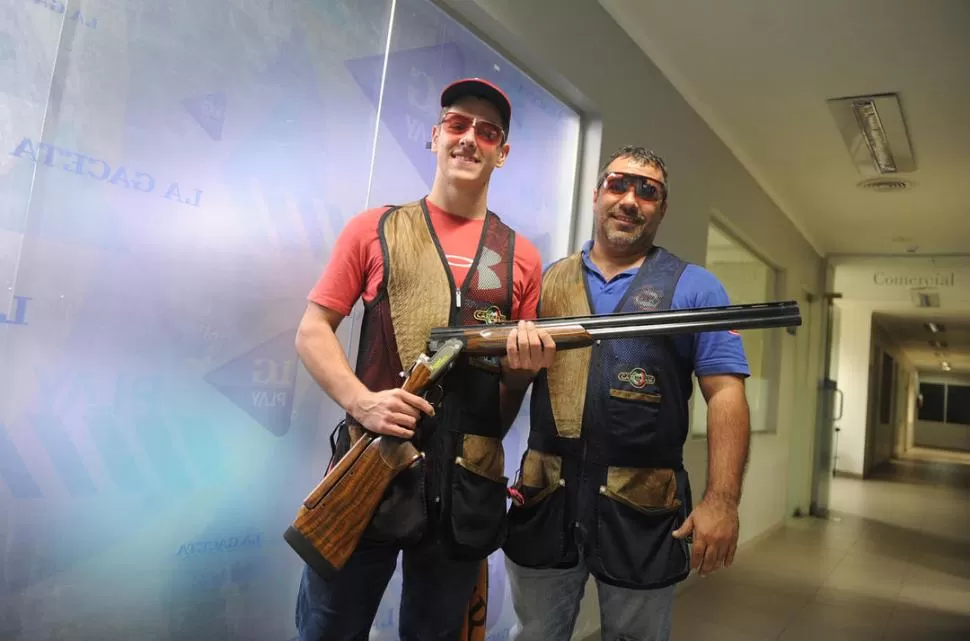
<point x="639" y="155"/>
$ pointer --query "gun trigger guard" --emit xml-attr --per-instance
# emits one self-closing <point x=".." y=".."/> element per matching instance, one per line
<point x="435" y="395"/>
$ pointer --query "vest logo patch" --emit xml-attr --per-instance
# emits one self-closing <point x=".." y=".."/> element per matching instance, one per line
<point x="647" y="299"/>
<point x="637" y="378"/>
<point x="490" y="316"/>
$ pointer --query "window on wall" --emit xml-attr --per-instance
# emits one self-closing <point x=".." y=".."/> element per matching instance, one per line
<point x="943" y="403"/>
<point x="747" y="279"/>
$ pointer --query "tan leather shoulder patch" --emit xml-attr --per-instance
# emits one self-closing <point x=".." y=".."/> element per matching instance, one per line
<point x="418" y="290"/>
<point x="563" y="294"/>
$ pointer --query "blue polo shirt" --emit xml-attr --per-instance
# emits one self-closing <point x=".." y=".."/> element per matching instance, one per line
<point x="719" y="352"/>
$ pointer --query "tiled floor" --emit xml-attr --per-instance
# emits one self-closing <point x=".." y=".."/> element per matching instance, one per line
<point x="893" y="565"/>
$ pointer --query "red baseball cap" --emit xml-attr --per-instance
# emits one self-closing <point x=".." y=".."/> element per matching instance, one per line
<point x="479" y="88"/>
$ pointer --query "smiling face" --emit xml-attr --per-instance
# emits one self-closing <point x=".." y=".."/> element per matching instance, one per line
<point x="628" y="205"/>
<point x="469" y="142"/>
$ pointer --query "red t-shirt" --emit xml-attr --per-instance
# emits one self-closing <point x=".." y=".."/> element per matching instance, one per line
<point x="356" y="265"/>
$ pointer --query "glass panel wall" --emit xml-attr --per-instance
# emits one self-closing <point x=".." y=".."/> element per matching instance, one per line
<point x="173" y="177"/>
<point x="747" y="279"/>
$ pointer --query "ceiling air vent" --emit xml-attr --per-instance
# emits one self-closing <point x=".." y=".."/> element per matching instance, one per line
<point x="883" y="185"/>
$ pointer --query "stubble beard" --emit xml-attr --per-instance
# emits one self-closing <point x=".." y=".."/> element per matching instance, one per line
<point x="628" y="241"/>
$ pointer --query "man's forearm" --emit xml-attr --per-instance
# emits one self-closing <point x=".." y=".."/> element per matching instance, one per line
<point x="728" y="435"/>
<point x="511" y="392"/>
<point x="324" y="359"/>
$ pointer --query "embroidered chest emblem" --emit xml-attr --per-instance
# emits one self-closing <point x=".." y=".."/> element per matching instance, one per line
<point x="637" y="378"/>
<point x="489" y="316"/>
<point x="647" y="299"/>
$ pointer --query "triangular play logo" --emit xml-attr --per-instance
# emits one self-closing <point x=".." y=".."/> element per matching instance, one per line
<point x="415" y="78"/>
<point x="209" y="110"/>
<point x="261" y="382"/>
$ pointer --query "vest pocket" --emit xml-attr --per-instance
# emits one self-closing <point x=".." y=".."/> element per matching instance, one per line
<point x="536" y="523"/>
<point x="637" y="511"/>
<point x="401" y="517"/>
<point x="633" y="404"/>
<point x="475" y="514"/>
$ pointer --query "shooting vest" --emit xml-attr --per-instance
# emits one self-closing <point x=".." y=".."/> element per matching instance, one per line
<point x="458" y="491"/>
<point x="603" y="473"/>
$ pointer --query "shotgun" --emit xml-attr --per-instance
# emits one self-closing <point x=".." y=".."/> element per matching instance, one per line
<point x="333" y="516"/>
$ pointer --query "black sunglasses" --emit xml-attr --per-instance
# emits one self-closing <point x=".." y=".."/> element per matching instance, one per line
<point x="645" y="188"/>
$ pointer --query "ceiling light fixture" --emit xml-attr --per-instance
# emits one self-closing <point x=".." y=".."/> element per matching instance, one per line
<point x="939" y="344"/>
<point x="874" y="131"/>
<point x="875" y="135"/>
<point x="946" y="366"/>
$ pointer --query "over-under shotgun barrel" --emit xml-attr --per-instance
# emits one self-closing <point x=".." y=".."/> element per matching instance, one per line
<point x="570" y="332"/>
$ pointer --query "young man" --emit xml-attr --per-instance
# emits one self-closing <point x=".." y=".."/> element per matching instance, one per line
<point x="442" y="260"/>
<point x="603" y="486"/>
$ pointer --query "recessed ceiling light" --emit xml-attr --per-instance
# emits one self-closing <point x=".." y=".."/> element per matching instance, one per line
<point x="874" y="132"/>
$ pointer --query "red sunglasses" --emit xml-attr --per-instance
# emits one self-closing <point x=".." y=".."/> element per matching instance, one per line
<point x="645" y="188"/>
<point x="487" y="133"/>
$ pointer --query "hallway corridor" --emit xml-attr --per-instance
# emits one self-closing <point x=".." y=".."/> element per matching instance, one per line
<point x="892" y="564"/>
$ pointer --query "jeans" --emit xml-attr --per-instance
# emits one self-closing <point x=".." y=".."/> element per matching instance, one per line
<point x="434" y="595"/>
<point x="547" y="603"/>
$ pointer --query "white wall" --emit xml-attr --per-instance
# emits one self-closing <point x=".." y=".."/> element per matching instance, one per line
<point x="852" y="374"/>
<point x="864" y="440"/>
<point x="887" y="281"/>
<point x="583" y="55"/>
<point x="944" y="436"/>
<point x="907" y="387"/>
<point x="885" y="435"/>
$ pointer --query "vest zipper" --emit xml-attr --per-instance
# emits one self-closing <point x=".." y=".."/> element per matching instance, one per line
<point x="458" y="297"/>
<point x="581" y="498"/>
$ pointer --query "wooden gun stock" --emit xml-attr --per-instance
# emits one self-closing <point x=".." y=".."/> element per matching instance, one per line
<point x="335" y="514"/>
<point x="333" y="517"/>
